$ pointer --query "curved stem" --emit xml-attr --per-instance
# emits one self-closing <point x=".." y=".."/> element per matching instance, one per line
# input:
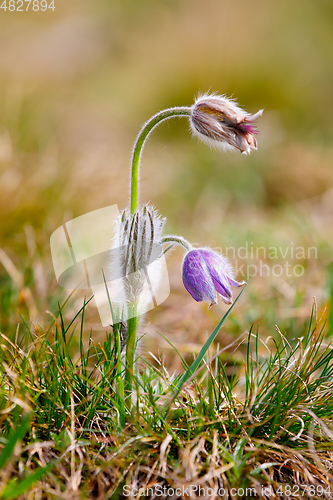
<point x="133" y="321"/>
<point x="139" y="144"/>
<point x="177" y="239"/>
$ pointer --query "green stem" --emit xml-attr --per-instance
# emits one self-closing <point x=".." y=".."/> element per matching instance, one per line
<point x="119" y="381"/>
<point x="133" y="321"/>
<point x="132" y="328"/>
<point x="177" y="239"/>
<point x="139" y="144"/>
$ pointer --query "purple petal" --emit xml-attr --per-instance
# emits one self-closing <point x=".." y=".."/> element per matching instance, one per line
<point x="236" y="283"/>
<point x="218" y="268"/>
<point x="189" y="289"/>
<point x="197" y="279"/>
<point x="226" y="297"/>
<point x="225" y="293"/>
<point x="248" y="129"/>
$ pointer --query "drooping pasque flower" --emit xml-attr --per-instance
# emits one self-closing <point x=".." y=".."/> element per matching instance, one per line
<point x="219" y="122"/>
<point x="206" y="273"/>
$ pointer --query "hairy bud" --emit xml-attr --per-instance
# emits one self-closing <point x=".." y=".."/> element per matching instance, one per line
<point x="136" y="248"/>
<point x="219" y="122"/>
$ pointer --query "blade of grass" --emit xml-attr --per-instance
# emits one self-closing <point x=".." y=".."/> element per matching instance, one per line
<point x="189" y="372"/>
<point x="18" y="435"/>
<point x="14" y="489"/>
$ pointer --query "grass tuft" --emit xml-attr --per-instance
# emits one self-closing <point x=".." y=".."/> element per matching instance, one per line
<point x="67" y="430"/>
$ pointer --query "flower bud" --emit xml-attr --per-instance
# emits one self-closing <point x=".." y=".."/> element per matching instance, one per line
<point x="219" y="122"/>
<point x="206" y="272"/>
<point x="136" y="247"/>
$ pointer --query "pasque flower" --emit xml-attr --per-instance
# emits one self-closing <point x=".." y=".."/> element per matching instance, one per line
<point x="215" y="120"/>
<point x="206" y="272"/>
<point x="219" y="122"/>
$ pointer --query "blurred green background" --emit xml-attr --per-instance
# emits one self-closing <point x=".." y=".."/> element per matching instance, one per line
<point x="76" y="85"/>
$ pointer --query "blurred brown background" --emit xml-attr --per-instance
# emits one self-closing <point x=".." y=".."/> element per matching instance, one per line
<point x="76" y="85"/>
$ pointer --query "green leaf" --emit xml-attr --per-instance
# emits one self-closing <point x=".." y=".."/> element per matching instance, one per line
<point x="15" y="489"/>
<point x="205" y="347"/>
<point x="262" y="467"/>
<point x="17" y="435"/>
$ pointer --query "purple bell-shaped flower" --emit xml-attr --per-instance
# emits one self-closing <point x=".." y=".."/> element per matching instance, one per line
<point x="206" y="272"/>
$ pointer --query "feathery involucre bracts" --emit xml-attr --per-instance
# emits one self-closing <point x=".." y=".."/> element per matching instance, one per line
<point x="219" y="122"/>
<point x="136" y="246"/>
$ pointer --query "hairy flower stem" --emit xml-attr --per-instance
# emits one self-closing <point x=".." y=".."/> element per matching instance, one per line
<point x="140" y="142"/>
<point x="132" y="328"/>
<point x="177" y="240"/>
<point x="133" y="321"/>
